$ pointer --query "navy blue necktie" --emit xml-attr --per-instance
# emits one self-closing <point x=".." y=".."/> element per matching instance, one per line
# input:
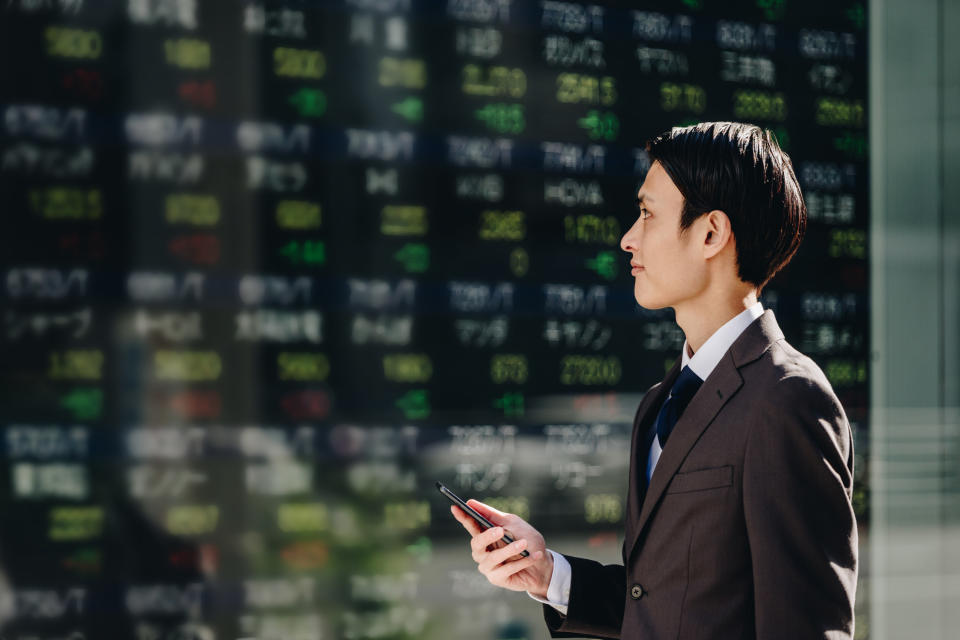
<point x="681" y="393"/>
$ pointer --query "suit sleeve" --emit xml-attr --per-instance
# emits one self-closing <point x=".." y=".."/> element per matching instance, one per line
<point x="597" y="592"/>
<point x="797" y="488"/>
<point x="597" y="596"/>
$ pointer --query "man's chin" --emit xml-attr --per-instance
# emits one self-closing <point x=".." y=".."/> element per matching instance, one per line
<point x="650" y="305"/>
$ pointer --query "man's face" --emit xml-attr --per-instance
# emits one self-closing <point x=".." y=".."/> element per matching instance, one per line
<point x="673" y="268"/>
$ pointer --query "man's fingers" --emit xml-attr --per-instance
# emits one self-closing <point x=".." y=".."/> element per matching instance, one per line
<point x="481" y="541"/>
<point x="481" y="544"/>
<point x="503" y="572"/>
<point x="502" y="555"/>
<point x="493" y="515"/>
<point x="468" y="523"/>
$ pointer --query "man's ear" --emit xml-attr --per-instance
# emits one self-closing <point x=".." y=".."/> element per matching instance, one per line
<point x="718" y="231"/>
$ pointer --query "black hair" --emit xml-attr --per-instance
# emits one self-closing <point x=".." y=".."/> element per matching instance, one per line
<point x="741" y="170"/>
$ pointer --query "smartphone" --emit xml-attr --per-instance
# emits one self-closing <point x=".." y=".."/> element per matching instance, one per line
<point x="486" y="524"/>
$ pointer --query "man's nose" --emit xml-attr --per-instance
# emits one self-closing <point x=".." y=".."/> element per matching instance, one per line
<point x="629" y="240"/>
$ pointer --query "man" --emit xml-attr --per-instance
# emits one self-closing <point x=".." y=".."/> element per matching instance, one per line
<point x="738" y="522"/>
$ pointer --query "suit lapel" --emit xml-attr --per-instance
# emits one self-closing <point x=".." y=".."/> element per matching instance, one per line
<point x="646" y="412"/>
<point x="713" y="394"/>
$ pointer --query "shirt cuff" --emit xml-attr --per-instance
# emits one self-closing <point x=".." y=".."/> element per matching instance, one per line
<point x="558" y="593"/>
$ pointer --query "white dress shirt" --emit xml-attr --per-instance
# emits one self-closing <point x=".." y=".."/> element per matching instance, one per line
<point x="701" y="363"/>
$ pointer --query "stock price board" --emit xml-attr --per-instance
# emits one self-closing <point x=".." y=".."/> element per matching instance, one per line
<point x="270" y="269"/>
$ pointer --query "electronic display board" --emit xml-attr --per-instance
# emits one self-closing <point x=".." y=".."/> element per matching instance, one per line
<point x="271" y="269"/>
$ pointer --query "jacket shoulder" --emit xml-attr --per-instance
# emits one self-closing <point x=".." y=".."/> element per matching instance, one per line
<point x="794" y="376"/>
<point x="794" y="394"/>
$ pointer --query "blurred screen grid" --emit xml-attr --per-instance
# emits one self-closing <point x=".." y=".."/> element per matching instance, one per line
<point x="271" y="269"/>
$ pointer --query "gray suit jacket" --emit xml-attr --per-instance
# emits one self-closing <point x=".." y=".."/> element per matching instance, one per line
<point x="747" y="528"/>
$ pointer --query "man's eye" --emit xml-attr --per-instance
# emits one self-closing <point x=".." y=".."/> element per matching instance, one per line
<point x="638" y="206"/>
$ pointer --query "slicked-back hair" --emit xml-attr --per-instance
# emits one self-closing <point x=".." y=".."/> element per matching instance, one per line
<point x="741" y="170"/>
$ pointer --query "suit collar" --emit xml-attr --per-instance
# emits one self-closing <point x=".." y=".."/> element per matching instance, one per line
<point x="722" y="383"/>
<point x="710" y="352"/>
<point x="756" y="339"/>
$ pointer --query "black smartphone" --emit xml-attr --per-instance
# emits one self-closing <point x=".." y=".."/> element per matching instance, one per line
<point x="486" y="524"/>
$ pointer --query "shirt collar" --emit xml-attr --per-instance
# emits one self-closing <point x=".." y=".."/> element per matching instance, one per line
<point x="708" y="355"/>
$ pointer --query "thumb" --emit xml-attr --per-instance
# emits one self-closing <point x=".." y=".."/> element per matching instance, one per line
<point x="495" y="516"/>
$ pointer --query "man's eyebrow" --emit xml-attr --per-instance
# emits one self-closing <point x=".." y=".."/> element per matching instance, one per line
<point x="645" y="198"/>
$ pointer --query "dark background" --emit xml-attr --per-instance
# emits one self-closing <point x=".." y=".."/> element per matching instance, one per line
<point x="224" y="420"/>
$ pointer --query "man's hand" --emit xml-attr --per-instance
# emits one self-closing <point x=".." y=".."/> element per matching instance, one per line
<point x="501" y="563"/>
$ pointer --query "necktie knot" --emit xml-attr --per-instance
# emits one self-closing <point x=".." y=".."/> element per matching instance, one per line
<point x="685" y="386"/>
